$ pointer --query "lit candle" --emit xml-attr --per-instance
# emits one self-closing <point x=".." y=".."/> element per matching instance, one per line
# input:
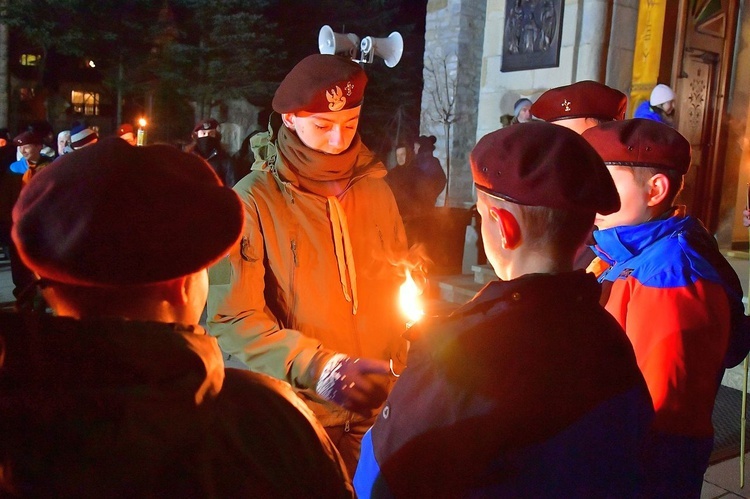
<point x="409" y="300"/>
<point x="141" y="140"/>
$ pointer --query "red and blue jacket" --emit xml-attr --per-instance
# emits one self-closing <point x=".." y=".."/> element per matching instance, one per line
<point x="664" y="289"/>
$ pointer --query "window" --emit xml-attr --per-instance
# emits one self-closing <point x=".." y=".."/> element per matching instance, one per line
<point x="30" y="59"/>
<point x="85" y="102"/>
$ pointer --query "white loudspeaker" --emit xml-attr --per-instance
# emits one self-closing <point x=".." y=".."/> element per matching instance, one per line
<point x="389" y="49"/>
<point x="337" y="43"/>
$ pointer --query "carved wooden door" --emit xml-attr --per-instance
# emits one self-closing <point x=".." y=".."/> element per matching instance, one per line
<point x="700" y="105"/>
<point x="696" y="101"/>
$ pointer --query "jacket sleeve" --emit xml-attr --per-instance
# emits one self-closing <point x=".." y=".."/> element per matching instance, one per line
<point x="679" y="335"/>
<point x="368" y="481"/>
<point x="239" y="317"/>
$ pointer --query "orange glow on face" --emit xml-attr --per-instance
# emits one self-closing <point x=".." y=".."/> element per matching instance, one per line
<point x="409" y="299"/>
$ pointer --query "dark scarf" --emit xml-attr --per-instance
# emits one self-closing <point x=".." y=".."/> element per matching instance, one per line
<point x="318" y="172"/>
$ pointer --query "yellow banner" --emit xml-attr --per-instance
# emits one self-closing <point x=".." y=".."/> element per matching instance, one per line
<point x="647" y="55"/>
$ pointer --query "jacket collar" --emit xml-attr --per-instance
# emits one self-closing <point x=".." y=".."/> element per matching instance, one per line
<point x="617" y="244"/>
<point x="102" y="352"/>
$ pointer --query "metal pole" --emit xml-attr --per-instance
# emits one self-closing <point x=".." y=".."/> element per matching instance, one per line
<point x="743" y="419"/>
<point x="742" y="427"/>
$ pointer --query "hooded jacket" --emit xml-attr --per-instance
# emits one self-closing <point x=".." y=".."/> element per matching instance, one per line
<point x="115" y="408"/>
<point x="310" y="273"/>
<point x="677" y="311"/>
<point x="530" y="389"/>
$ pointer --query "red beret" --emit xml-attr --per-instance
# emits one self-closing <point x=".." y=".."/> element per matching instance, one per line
<point x="321" y="83"/>
<point x="585" y="99"/>
<point x="25" y="138"/>
<point x="640" y="142"/>
<point x="540" y="164"/>
<point x="206" y="124"/>
<point x="112" y="214"/>
<point x="125" y="128"/>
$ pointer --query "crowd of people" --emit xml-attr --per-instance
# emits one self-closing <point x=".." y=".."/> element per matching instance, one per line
<point x="588" y="369"/>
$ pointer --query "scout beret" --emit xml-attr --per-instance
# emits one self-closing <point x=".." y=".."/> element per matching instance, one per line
<point x="206" y="124"/>
<point x="321" y="83"/>
<point x="27" y="137"/>
<point x="113" y="214"/>
<point x="541" y="164"/>
<point x="125" y="128"/>
<point x="585" y="99"/>
<point x="640" y="142"/>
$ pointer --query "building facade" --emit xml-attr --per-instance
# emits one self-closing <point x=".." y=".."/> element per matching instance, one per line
<point x="521" y="48"/>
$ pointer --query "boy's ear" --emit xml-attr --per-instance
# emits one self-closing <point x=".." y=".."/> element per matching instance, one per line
<point x="176" y="290"/>
<point x="510" y="230"/>
<point x="658" y="187"/>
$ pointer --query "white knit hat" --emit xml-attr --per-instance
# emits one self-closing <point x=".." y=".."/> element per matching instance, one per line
<point x="661" y="94"/>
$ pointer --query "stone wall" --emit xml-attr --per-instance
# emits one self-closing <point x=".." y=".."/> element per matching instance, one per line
<point x="454" y="34"/>
<point x="590" y="50"/>
<point x="463" y="47"/>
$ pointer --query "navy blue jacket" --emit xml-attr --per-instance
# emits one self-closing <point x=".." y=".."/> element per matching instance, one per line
<point x="529" y="390"/>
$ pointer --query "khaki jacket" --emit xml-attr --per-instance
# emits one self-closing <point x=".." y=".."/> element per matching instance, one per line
<point x="310" y="273"/>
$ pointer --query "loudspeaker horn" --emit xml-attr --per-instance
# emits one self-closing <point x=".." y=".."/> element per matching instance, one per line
<point x="389" y="49"/>
<point x="330" y="42"/>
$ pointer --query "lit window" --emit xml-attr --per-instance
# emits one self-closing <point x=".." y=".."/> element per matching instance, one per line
<point x="26" y="93"/>
<point x="30" y="59"/>
<point x="85" y="102"/>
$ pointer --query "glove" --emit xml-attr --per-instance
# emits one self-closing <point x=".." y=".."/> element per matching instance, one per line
<point x="359" y="385"/>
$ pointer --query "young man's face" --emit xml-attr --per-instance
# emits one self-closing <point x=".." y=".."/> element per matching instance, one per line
<point x="634" y="198"/>
<point x="401" y="155"/>
<point x="524" y="115"/>
<point x="330" y="133"/>
<point x="668" y="108"/>
<point x="62" y="141"/>
<point x="30" y="151"/>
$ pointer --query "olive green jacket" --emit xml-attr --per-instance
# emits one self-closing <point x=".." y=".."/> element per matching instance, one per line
<point x="310" y="274"/>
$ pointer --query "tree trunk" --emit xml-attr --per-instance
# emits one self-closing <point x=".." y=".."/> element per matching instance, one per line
<point x="447" y="163"/>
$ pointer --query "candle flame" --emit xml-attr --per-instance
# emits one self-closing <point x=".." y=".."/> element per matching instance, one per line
<point x="142" y="122"/>
<point x="409" y="300"/>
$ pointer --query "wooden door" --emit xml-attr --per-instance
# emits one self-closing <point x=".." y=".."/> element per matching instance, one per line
<point x="702" y="83"/>
<point x="696" y="92"/>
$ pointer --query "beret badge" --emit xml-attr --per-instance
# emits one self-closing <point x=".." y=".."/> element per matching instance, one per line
<point x="336" y="99"/>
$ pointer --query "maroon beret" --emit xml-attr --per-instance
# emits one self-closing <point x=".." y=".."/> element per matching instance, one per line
<point x="540" y="164"/>
<point x="321" y="83"/>
<point x="112" y="214"/>
<point x="640" y="142"/>
<point x="206" y="124"/>
<point x="27" y="138"/>
<point x="585" y="99"/>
